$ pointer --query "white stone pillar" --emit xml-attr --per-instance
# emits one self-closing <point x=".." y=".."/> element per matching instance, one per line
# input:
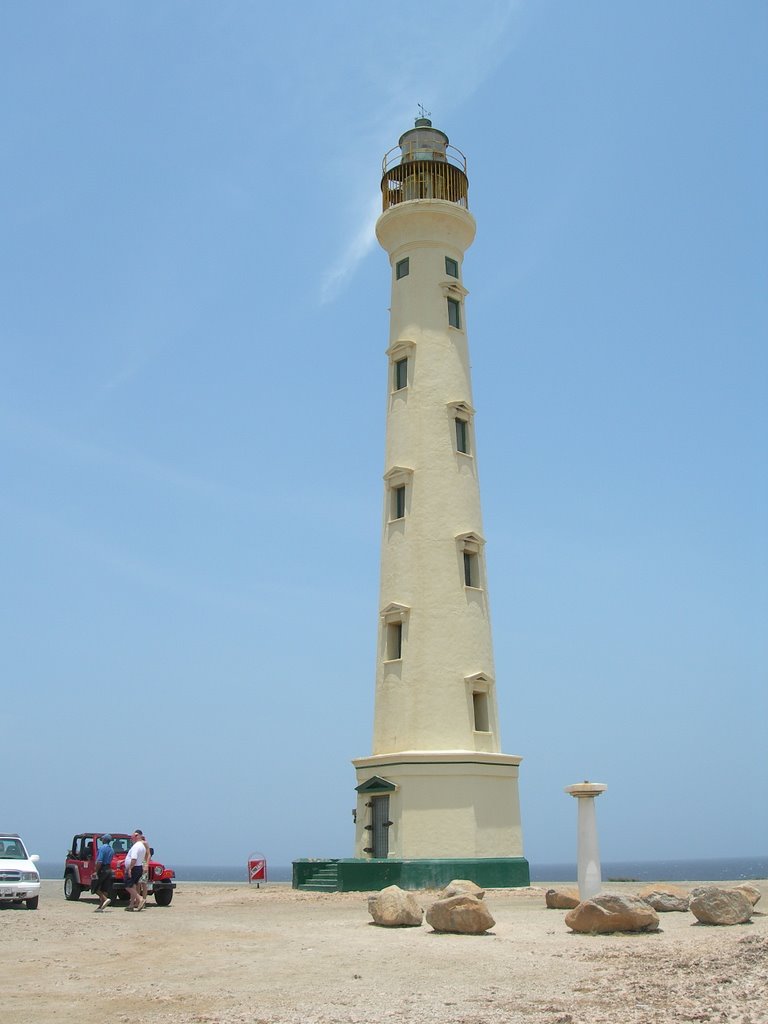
<point x="589" y="876"/>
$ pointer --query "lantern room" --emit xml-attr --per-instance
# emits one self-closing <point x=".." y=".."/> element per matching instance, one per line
<point x="424" y="166"/>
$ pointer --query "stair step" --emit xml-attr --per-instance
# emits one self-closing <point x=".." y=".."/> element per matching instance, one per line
<point x="324" y="878"/>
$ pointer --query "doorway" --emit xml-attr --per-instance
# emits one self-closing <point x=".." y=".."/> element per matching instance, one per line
<point x="380" y="822"/>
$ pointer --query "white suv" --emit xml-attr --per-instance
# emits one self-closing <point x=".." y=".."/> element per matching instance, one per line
<point x="19" y="878"/>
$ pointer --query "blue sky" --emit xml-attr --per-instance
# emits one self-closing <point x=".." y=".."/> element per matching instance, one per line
<point x="192" y="409"/>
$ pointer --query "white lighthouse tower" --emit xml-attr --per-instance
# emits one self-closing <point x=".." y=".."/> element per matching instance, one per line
<point x="436" y="798"/>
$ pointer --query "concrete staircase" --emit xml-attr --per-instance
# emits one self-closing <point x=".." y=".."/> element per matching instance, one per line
<point x="325" y="878"/>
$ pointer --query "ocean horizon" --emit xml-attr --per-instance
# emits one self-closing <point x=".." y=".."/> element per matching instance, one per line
<point x="702" y="869"/>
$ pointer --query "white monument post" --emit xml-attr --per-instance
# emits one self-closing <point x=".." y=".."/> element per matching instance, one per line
<point x="590" y="880"/>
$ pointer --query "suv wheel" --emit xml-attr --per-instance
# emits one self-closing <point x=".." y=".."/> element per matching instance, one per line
<point x="163" y="897"/>
<point x="72" y="887"/>
<point x="32" y="902"/>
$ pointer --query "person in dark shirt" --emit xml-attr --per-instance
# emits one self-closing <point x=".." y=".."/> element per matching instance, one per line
<point x="104" y="874"/>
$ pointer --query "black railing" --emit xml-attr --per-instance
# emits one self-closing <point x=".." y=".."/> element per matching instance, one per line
<point x="430" y="178"/>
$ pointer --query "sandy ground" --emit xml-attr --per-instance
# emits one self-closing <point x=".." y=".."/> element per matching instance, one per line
<point x="230" y="954"/>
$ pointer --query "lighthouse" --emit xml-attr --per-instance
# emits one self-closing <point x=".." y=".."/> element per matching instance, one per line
<point x="436" y="798"/>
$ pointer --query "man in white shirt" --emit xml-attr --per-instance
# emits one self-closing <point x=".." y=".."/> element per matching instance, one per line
<point x="134" y="866"/>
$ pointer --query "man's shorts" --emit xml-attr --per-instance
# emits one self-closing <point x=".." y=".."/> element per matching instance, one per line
<point x="132" y="880"/>
<point x="104" y="881"/>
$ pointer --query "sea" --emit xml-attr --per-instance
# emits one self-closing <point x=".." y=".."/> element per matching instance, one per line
<point x="709" y="870"/>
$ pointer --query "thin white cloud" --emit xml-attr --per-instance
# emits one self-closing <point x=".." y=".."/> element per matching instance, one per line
<point x="426" y="68"/>
<point x="357" y="249"/>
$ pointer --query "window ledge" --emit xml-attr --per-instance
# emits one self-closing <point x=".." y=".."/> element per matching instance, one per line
<point x="395" y="612"/>
<point x="398" y="475"/>
<point x="460" y="407"/>
<point x="403" y="346"/>
<point x="453" y="289"/>
<point x="472" y="542"/>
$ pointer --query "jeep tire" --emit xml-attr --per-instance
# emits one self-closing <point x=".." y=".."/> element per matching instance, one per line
<point x="72" y="887"/>
<point x="163" y="897"/>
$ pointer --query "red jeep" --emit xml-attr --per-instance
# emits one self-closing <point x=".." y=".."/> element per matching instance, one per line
<point x="80" y="867"/>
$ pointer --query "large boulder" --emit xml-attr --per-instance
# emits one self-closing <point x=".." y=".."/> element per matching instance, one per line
<point x="752" y="893"/>
<point x="665" y="898"/>
<point x="610" y="912"/>
<point x="462" y="913"/>
<point x="395" y="908"/>
<point x="713" y="905"/>
<point x="561" y="899"/>
<point x="461" y="885"/>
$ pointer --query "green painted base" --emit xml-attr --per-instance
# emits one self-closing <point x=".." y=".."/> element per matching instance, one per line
<point x="355" y="875"/>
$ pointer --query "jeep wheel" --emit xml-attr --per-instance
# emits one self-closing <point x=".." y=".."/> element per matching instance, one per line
<point x="163" y="897"/>
<point x="32" y="902"/>
<point x="72" y="887"/>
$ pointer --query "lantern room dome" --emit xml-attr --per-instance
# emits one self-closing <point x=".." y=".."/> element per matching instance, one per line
<point x="424" y="165"/>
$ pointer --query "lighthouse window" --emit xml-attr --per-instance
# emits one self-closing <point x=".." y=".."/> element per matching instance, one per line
<point x="454" y="313"/>
<point x="402" y="268"/>
<point x="471" y="569"/>
<point x="394" y="641"/>
<point x="480" y="708"/>
<point x="398" y="502"/>
<point x="401" y="374"/>
<point x="451" y="267"/>
<point x="462" y="436"/>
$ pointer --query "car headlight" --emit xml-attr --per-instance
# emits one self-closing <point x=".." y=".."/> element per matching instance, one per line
<point x="30" y="876"/>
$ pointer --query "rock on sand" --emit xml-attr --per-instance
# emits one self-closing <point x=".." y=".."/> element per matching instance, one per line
<point x="463" y="913"/>
<point x="666" y="898"/>
<point x="562" y="899"/>
<point x="609" y="912"/>
<point x="395" y="908"/>
<point x="713" y="905"/>
<point x="462" y="885"/>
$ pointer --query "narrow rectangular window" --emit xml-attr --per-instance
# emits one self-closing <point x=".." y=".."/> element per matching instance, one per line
<point x="471" y="569"/>
<point x="394" y="641"/>
<point x="454" y="313"/>
<point x="480" y="708"/>
<point x="401" y="374"/>
<point x="462" y="435"/>
<point x="402" y="268"/>
<point x="398" y="502"/>
<point x="451" y="267"/>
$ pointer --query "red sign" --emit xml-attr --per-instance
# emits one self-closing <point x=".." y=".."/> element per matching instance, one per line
<point x="257" y="868"/>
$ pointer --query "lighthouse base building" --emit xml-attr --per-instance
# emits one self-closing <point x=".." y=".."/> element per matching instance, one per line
<point x="424" y="818"/>
<point x="436" y="798"/>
